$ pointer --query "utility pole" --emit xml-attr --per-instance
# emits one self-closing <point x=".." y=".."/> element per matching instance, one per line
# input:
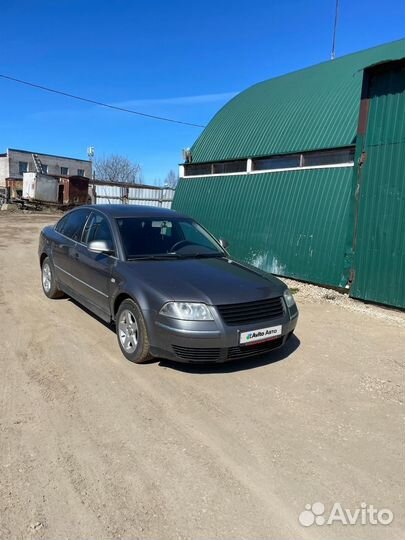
<point x="333" y="54"/>
<point x="90" y="155"/>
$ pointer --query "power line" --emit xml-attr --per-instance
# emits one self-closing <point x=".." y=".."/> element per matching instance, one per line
<point x="100" y="103"/>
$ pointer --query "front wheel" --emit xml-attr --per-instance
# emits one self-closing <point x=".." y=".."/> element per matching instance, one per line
<point x="132" y="333"/>
<point x="49" y="285"/>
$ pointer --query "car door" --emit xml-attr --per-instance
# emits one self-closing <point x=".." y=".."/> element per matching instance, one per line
<point x="69" y="231"/>
<point x="93" y="271"/>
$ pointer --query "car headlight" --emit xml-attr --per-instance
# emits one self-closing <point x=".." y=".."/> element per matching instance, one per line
<point x="289" y="299"/>
<point x="187" y="311"/>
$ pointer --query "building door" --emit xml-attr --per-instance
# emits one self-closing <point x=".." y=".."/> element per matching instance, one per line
<point x="60" y="193"/>
<point x="378" y="271"/>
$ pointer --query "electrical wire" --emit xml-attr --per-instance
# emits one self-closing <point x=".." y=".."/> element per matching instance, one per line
<point x="100" y="103"/>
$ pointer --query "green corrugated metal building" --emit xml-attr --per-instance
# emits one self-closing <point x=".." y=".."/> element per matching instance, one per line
<point x="304" y="174"/>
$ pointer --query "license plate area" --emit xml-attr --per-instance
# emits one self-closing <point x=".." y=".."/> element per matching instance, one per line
<point x="260" y="334"/>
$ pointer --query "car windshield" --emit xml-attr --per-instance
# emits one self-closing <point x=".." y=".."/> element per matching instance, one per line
<point x="166" y="238"/>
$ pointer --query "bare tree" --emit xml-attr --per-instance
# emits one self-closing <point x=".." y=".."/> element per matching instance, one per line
<point x="116" y="168"/>
<point x="171" y="179"/>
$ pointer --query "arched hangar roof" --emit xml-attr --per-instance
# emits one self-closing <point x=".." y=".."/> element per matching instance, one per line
<point x="314" y="108"/>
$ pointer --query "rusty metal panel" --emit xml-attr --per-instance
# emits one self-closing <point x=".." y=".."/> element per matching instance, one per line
<point x="15" y="187"/>
<point x="76" y="190"/>
<point x="379" y="237"/>
<point x="291" y="223"/>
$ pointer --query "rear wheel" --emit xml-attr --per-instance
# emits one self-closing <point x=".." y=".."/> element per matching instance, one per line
<point x="49" y="285"/>
<point x="132" y="333"/>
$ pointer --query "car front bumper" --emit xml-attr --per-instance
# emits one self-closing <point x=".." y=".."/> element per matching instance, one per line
<point x="213" y="341"/>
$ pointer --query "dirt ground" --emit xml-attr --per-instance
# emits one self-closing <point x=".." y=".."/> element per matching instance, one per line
<point x="92" y="446"/>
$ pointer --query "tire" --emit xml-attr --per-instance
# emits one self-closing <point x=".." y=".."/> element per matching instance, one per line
<point x="49" y="285"/>
<point x="132" y="334"/>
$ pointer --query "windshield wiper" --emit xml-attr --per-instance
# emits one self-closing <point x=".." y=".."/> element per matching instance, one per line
<point x="154" y="257"/>
<point x="173" y="255"/>
<point x="201" y="255"/>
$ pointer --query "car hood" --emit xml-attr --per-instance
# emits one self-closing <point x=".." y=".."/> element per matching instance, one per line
<point x="214" y="281"/>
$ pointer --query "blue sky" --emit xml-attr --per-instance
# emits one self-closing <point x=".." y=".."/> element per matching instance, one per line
<point x="179" y="59"/>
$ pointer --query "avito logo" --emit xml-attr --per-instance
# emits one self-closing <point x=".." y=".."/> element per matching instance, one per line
<point x="255" y="335"/>
<point x="314" y="514"/>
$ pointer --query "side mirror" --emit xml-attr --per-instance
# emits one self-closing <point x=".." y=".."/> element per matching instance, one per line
<point x="224" y="243"/>
<point x="100" y="246"/>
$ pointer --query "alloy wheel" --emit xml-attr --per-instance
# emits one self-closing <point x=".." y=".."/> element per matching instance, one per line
<point x="128" y="331"/>
<point x="46" y="277"/>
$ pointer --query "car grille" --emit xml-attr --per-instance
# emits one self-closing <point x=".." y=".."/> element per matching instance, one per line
<point x="191" y="354"/>
<point x="246" y="351"/>
<point x="252" y="312"/>
<point x="197" y="355"/>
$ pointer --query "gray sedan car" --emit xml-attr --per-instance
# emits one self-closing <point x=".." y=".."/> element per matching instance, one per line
<point x="169" y="286"/>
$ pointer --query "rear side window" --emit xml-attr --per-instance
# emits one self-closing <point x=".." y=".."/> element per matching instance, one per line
<point x="72" y="224"/>
<point x="98" y="228"/>
<point x="61" y="224"/>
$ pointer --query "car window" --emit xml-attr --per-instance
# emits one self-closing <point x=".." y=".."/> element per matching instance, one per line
<point x="86" y="228"/>
<point x="192" y="233"/>
<point x="148" y="236"/>
<point x="61" y="224"/>
<point x="72" y="224"/>
<point x="98" y="228"/>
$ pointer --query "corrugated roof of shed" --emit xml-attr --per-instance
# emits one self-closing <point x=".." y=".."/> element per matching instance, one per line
<point x="314" y="108"/>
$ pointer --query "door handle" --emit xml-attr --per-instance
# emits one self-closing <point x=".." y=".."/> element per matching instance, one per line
<point x="76" y="255"/>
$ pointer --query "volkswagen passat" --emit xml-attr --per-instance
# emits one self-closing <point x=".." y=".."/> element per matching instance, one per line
<point x="169" y="286"/>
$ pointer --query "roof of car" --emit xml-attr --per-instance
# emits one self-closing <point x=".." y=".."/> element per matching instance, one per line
<point x="132" y="210"/>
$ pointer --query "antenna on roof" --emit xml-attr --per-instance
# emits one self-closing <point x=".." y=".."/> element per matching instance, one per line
<point x="90" y="152"/>
<point x="332" y="56"/>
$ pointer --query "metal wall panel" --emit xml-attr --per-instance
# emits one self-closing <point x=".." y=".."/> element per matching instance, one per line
<point x="309" y="109"/>
<point x="108" y="194"/>
<point x="40" y="187"/>
<point x="147" y="196"/>
<point x="379" y="254"/>
<point x="291" y="223"/>
<point x="320" y="225"/>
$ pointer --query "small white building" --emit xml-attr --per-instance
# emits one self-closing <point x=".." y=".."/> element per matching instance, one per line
<point x="40" y="187"/>
<point x="14" y="163"/>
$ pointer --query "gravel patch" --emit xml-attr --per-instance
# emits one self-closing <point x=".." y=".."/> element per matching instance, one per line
<point x="314" y="294"/>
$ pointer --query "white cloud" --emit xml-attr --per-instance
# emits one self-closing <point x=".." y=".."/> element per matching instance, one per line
<point x="143" y="104"/>
<point x="182" y="100"/>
